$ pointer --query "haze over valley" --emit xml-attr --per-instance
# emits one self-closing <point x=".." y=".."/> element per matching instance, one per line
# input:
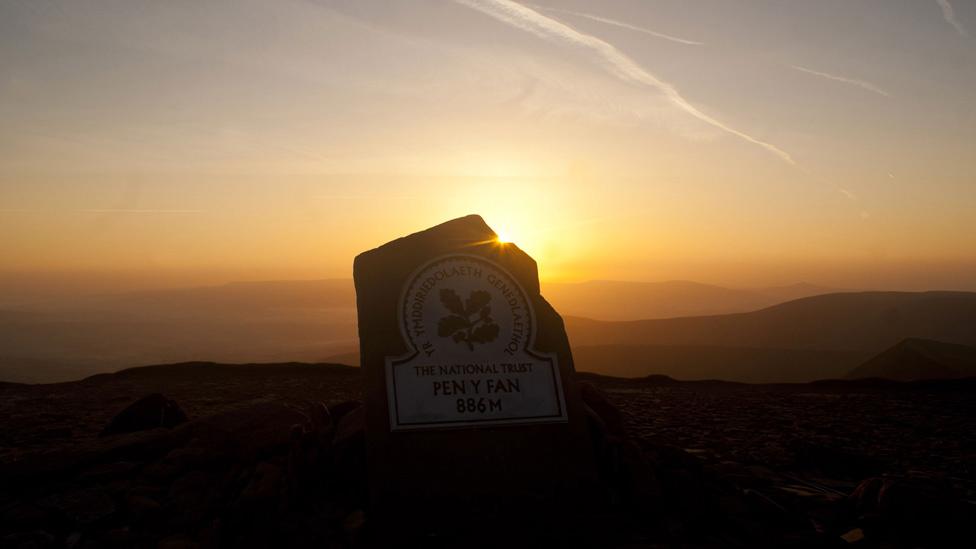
<point x="682" y="329"/>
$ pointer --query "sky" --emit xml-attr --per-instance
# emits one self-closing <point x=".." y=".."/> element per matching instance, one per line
<point x="740" y="143"/>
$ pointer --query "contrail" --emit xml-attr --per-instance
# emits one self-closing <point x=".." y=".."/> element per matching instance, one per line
<point x="950" y="16"/>
<point x="620" y="24"/>
<point x="612" y="59"/>
<point x="852" y="81"/>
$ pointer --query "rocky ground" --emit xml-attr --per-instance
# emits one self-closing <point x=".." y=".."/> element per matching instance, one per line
<point x="272" y="455"/>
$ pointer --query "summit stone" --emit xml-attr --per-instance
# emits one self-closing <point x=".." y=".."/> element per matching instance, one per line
<point x="470" y="398"/>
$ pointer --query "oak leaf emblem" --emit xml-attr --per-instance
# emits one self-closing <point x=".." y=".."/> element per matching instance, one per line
<point x="470" y="321"/>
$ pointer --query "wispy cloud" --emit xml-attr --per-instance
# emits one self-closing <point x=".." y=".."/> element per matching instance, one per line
<point x="140" y="211"/>
<point x="620" y="24"/>
<point x="101" y="211"/>
<point x="612" y="59"/>
<point x="950" y="16"/>
<point x="376" y="196"/>
<point x="852" y="81"/>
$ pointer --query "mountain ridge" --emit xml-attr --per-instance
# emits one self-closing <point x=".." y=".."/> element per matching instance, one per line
<point x="798" y="340"/>
<point x="916" y="358"/>
<point x="858" y="321"/>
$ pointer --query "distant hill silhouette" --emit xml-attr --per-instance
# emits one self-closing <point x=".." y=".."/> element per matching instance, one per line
<point x="805" y="339"/>
<point x="605" y="300"/>
<point x="350" y="358"/>
<point x="616" y="300"/>
<point x="608" y="300"/>
<point x="862" y="321"/>
<point x="799" y="290"/>
<point x="802" y="340"/>
<point x="687" y="362"/>
<point x="228" y="299"/>
<point x="240" y="322"/>
<point x="914" y="359"/>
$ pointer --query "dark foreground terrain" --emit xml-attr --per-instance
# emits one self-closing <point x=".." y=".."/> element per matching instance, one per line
<point x="272" y="455"/>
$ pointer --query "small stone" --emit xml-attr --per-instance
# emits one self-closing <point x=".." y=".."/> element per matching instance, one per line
<point x="853" y="536"/>
<point x="354" y="522"/>
<point x="178" y="542"/>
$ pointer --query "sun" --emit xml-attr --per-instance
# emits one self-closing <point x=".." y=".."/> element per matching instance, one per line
<point x="502" y="237"/>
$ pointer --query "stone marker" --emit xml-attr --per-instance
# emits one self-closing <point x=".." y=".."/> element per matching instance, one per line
<point x="470" y="400"/>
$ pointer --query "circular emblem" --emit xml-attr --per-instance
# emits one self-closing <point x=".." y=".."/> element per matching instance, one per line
<point x="465" y="307"/>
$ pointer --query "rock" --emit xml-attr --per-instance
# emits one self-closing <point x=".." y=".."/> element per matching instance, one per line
<point x="149" y="412"/>
<point x="864" y="499"/>
<point x="264" y="487"/>
<point x="310" y="454"/>
<point x="625" y="472"/>
<point x="639" y="479"/>
<point x="353" y="525"/>
<point x="600" y="403"/>
<point x="108" y="471"/>
<point x="63" y="463"/>
<point x="73" y="540"/>
<point x="321" y="417"/>
<point x="194" y="457"/>
<point x="23" y="514"/>
<point x="834" y="460"/>
<point x="246" y="433"/>
<point x="343" y="408"/>
<point x="853" y="536"/>
<point x="190" y="485"/>
<point x="923" y="511"/>
<point x="141" y="446"/>
<point x="296" y="433"/>
<point x="349" y="455"/>
<point x="120" y="537"/>
<point x="191" y="498"/>
<point x="429" y="303"/>
<point x="36" y="539"/>
<point x="351" y="425"/>
<point x="82" y="506"/>
<point x="143" y="509"/>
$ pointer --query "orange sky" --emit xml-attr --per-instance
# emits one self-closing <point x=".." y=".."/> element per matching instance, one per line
<point x="150" y="143"/>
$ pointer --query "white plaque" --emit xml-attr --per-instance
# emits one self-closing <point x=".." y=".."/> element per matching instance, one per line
<point x="470" y="330"/>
